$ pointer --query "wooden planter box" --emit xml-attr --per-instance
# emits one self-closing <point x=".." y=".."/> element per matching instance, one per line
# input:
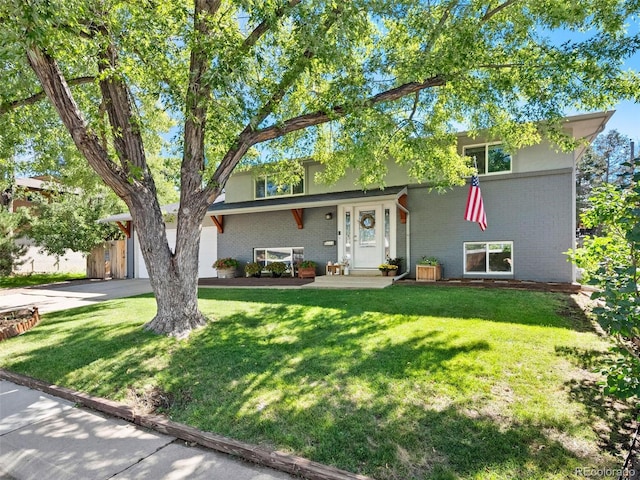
<point x="428" y="273"/>
<point x="307" y="272"/>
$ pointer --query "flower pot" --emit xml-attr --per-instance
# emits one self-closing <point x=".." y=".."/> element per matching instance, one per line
<point x="226" y="272"/>
<point x="307" y="272"/>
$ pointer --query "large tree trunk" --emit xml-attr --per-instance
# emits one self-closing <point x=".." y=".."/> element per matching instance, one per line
<point x="173" y="275"/>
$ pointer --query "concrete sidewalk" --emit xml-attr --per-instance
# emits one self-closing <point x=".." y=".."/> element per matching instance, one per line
<point x="55" y="297"/>
<point x="43" y="437"/>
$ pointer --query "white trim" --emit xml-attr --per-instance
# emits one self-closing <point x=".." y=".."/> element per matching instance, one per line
<point x="286" y="195"/>
<point x="486" y="146"/>
<point x="464" y="259"/>
<point x="380" y="206"/>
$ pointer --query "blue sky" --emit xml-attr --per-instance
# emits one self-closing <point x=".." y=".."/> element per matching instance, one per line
<point x="627" y="117"/>
<point x="627" y="121"/>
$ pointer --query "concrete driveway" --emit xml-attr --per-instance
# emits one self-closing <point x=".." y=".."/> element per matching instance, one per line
<point x="61" y="296"/>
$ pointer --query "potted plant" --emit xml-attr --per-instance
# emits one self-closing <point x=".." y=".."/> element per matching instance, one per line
<point x="253" y="269"/>
<point x="226" y="267"/>
<point x="307" y="269"/>
<point x="276" y="268"/>
<point x="428" y="269"/>
<point x="388" y="269"/>
<point x="395" y="261"/>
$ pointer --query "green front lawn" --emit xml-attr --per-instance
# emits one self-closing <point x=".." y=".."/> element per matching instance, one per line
<point x="16" y="281"/>
<point x="401" y="383"/>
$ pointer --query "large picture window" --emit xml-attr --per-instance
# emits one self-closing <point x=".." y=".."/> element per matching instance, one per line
<point x="287" y="255"/>
<point x="266" y="187"/>
<point x="488" y="257"/>
<point x="490" y="158"/>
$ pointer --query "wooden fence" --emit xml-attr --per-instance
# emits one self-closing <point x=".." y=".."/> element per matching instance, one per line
<point x="108" y="260"/>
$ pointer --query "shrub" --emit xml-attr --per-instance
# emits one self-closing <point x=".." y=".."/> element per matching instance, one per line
<point x="276" y="268"/>
<point x="395" y="261"/>
<point x="307" y="264"/>
<point x="252" y="269"/>
<point x="433" y="261"/>
<point x="226" y="263"/>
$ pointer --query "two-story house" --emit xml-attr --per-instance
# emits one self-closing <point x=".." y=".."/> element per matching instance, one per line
<point x="529" y="197"/>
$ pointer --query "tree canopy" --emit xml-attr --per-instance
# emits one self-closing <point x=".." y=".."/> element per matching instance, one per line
<point x="352" y="84"/>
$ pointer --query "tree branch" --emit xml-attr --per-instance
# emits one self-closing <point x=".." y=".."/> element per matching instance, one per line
<point x="235" y="154"/>
<point x="487" y="16"/>
<point x="198" y="93"/>
<point x="59" y="94"/>
<point x="263" y="27"/>
<point x="438" y="29"/>
<point x="127" y="139"/>
<point x="293" y="74"/>
<point x="316" y="118"/>
<point x="8" y="106"/>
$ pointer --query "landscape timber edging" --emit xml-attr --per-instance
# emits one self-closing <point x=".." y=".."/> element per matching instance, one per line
<point x="20" y="327"/>
<point x="252" y="453"/>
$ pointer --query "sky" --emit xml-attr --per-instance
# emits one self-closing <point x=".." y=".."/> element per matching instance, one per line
<point x="627" y="120"/>
<point x="627" y="113"/>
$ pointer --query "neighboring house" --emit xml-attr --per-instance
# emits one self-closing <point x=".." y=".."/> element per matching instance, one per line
<point x="35" y="261"/>
<point x="529" y="198"/>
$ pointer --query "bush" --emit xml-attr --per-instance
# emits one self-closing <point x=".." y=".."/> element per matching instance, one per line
<point x="433" y="261"/>
<point x="307" y="264"/>
<point x="395" y="261"/>
<point x="276" y="268"/>
<point x="612" y="263"/>
<point x="252" y="269"/>
<point x="226" y="263"/>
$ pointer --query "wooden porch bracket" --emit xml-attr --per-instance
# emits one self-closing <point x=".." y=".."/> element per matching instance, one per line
<point x="218" y="221"/>
<point x="297" y="215"/>
<point x="126" y="228"/>
<point x="402" y="200"/>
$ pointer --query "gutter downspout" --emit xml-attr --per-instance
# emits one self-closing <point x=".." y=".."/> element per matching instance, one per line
<point x="408" y="235"/>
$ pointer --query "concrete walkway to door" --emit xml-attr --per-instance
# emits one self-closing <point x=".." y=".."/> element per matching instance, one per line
<point x="61" y="296"/>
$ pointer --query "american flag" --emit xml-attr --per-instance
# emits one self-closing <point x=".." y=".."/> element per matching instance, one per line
<point x="475" y="208"/>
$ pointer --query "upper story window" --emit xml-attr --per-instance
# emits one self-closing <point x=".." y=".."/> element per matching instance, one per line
<point x="490" y="158"/>
<point x="266" y="187"/>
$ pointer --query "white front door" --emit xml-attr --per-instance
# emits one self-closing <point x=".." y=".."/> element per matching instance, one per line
<point x="368" y="236"/>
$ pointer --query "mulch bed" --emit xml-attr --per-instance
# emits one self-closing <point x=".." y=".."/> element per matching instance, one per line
<point x="254" y="282"/>
<point x="488" y="283"/>
<point x="454" y="282"/>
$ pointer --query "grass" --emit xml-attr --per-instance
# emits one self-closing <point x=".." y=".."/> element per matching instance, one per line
<point x="402" y="383"/>
<point x="16" y="281"/>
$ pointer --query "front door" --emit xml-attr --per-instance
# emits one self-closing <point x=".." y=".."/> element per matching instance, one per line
<point x="368" y="237"/>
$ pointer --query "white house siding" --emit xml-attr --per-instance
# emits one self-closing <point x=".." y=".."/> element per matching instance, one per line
<point x="208" y="250"/>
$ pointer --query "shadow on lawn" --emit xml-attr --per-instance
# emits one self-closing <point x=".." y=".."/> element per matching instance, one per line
<point x="334" y="384"/>
<point x="103" y="358"/>
<point x="308" y="384"/>
<point x="523" y="307"/>
<point x="612" y="418"/>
